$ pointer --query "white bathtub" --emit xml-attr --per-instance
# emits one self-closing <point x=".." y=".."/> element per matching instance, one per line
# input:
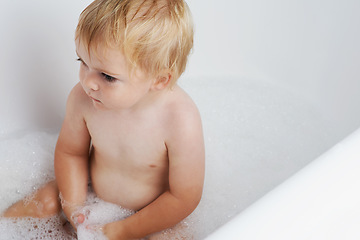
<point x="319" y="202"/>
<point x="276" y="82"/>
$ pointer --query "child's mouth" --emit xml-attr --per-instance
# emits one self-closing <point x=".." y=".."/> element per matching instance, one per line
<point x="96" y="100"/>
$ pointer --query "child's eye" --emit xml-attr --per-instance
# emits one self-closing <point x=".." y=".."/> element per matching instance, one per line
<point x="108" y="77"/>
<point x="81" y="61"/>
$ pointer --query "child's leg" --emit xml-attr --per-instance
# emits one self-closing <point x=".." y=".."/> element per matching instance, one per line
<point x="44" y="202"/>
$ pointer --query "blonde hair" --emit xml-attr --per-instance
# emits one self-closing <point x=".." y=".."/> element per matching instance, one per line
<point x="154" y="35"/>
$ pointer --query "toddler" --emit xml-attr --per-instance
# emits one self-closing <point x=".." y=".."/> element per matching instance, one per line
<point x="128" y="127"/>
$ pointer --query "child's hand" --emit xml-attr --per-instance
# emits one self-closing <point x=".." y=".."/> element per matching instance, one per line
<point x="80" y="218"/>
<point x="113" y="231"/>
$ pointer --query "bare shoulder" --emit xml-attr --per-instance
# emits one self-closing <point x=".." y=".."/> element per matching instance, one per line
<point x="74" y="137"/>
<point x="77" y="108"/>
<point x="78" y="97"/>
<point x="184" y="127"/>
<point x="78" y="102"/>
<point x="182" y="111"/>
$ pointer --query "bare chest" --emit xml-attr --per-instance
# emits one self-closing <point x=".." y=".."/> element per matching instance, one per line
<point x="129" y="143"/>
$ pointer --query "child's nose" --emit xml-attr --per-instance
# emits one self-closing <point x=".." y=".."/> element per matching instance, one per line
<point x="91" y="81"/>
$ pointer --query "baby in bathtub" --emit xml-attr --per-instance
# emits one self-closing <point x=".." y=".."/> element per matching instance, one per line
<point x="128" y="126"/>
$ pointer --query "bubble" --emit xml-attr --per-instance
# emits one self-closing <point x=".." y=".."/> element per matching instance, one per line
<point x="33" y="228"/>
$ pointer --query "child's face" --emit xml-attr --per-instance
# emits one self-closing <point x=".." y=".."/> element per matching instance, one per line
<point x="105" y="78"/>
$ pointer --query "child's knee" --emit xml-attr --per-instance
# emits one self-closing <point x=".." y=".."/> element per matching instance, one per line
<point x="50" y="205"/>
<point x="43" y="203"/>
<point x="48" y="200"/>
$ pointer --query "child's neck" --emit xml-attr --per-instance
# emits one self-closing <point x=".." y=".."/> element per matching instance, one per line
<point x="153" y="99"/>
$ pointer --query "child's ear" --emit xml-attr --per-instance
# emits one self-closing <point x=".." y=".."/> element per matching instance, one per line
<point x="162" y="81"/>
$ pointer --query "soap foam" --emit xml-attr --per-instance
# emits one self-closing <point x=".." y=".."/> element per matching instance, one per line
<point x="26" y="163"/>
<point x="98" y="213"/>
<point x="34" y="228"/>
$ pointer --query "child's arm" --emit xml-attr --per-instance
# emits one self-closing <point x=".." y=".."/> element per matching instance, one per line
<point x="72" y="154"/>
<point x="186" y="176"/>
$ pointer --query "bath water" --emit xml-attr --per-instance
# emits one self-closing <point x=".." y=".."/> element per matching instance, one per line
<point x="256" y="135"/>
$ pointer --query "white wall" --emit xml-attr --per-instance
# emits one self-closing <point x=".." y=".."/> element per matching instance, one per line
<point x="37" y="58"/>
<point x="310" y="46"/>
